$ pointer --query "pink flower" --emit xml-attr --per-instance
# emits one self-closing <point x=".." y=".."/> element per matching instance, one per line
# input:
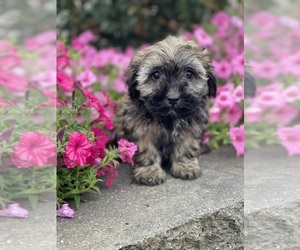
<point x="119" y="85"/>
<point x="78" y="150"/>
<point x="86" y="78"/>
<point x="238" y="93"/>
<point x="269" y="100"/>
<point x="215" y="114"/>
<point x="284" y="115"/>
<point x="253" y="114"/>
<point x="111" y="171"/>
<point x="238" y="64"/>
<point x="14" y="210"/>
<point x="225" y="100"/>
<point x="33" y="149"/>
<point x="100" y="138"/>
<point x="265" y="69"/>
<point x="64" y="82"/>
<point x="222" y="69"/>
<point x="202" y="37"/>
<point x="82" y="40"/>
<point x="12" y="82"/>
<point x="290" y="139"/>
<point x="126" y="150"/>
<point x="234" y="114"/>
<point x="65" y="211"/>
<point x="220" y="19"/>
<point x="237" y="139"/>
<point x="291" y="93"/>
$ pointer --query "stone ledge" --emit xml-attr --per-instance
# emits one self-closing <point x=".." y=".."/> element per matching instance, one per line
<point x="129" y="216"/>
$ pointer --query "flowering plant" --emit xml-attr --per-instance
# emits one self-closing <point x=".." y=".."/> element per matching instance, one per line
<point x="27" y="147"/>
<point x="223" y="37"/>
<point x="84" y="125"/>
<point x="272" y="117"/>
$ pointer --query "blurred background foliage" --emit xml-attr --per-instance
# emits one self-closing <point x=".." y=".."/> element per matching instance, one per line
<point x="121" y="22"/>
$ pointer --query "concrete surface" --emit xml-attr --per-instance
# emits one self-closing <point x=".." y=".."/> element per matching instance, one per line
<point x="206" y="213"/>
<point x="272" y="199"/>
<point x="38" y="231"/>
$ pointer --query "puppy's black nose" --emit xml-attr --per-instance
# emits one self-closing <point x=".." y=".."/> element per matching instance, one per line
<point x="173" y="98"/>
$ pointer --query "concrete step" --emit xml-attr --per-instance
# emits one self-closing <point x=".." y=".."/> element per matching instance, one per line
<point x="206" y="213"/>
<point x="272" y="199"/>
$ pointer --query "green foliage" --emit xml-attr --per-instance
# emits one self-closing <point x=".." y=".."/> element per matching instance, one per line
<point x="120" y="23"/>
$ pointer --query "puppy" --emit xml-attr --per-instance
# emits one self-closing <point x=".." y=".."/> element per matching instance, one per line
<point x="165" y="112"/>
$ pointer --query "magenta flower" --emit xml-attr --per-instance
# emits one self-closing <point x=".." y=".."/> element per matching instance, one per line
<point x="86" y="78"/>
<point x="78" y="150"/>
<point x="14" y="210"/>
<point x="220" y="19"/>
<point x="64" y="82"/>
<point x="222" y="69"/>
<point x="33" y="149"/>
<point x="82" y="40"/>
<point x="126" y="150"/>
<point x="290" y="139"/>
<point x="100" y="138"/>
<point x="65" y="211"/>
<point x="111" y="171"/>
<point x="237" y="139"/>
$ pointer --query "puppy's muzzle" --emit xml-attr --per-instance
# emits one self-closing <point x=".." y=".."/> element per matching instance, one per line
<point x="173" y="98"/>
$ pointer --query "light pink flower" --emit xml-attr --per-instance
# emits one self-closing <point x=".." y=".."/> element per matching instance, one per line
<point x="238" y="93"/>
<point x="225" y="100"/>
<point x="86" y="78"/>
<point x="82" y="40"/>
<point x="290" y="139"/>
<point x="269" y="100"/>
<point x="237" y="139"/>
<point x="12" y="82"/>
<point x="33" y="149"/>
<point x="215" y="114"/>
<point x="126" y="150"/>
<point x="222" y="69"/>
<point x="234" y="114"/>
<point x="265" y="69"/>
<point x="14" y="210"/>
<point x="65" y="211"/>
<point x="203" y="39"/>
<point x="78" y="150"/>
<point x="284" y="115"/>
<point x="41" y="40"/>
<point x="220" y="19"/>
<point x="119" y="85"/>
<point x="238" y="64"/>
<point x="292" y="93"/>
<point x="253" y="114"/>
<point x="64" y="82"/>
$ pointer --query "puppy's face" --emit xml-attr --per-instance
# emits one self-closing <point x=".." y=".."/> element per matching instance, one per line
<point x="171" y="78"/>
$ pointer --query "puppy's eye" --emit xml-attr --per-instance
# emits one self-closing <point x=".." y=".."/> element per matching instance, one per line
<point x="155" y="75"/>
<point x="189" y="74"/>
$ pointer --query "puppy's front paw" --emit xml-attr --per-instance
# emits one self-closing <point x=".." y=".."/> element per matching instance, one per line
<point x="149" y="175"/>
<point x="186" y="170"/>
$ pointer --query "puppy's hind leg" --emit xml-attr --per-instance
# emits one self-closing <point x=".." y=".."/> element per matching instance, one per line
<point x="147" y="169"/>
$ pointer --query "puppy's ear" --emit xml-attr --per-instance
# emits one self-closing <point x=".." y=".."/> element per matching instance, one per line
<point x="212" y="83"/>
<point x="131" y="77"/>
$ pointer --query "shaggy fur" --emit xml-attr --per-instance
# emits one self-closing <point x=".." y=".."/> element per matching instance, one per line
<point x="165" y="111"/>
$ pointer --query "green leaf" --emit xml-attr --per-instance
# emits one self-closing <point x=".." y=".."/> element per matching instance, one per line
<point x="77" y="200"/>
<point x="33" y="199"/>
